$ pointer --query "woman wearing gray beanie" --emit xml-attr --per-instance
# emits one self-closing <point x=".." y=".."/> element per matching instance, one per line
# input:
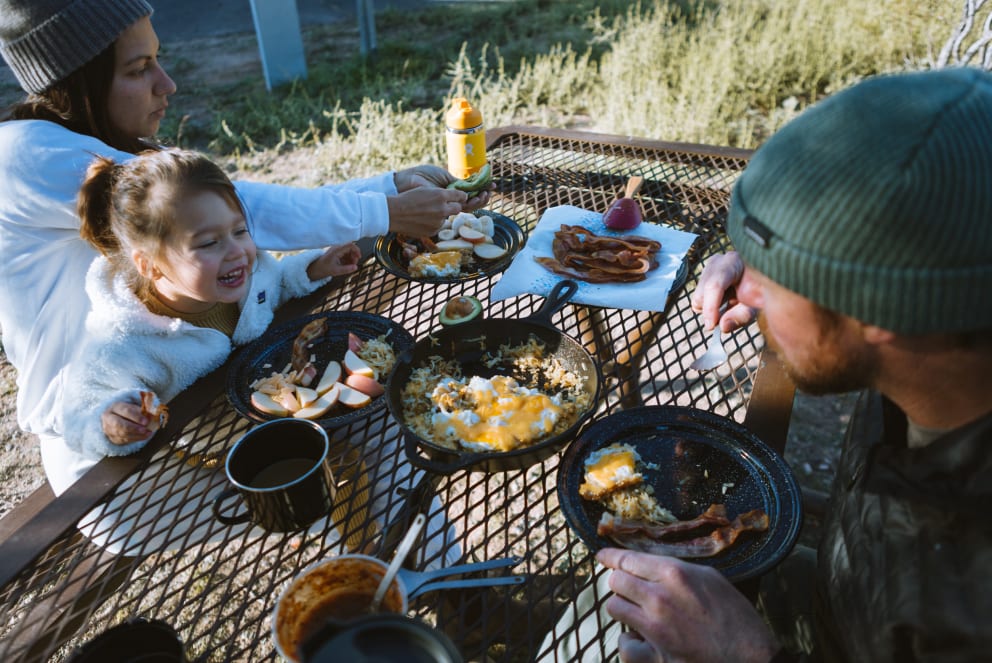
<point x="863" y="232"/>
<point x="95" y="88"/>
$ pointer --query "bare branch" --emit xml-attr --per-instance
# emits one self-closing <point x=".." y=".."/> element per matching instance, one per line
<point x="955" y="52"/>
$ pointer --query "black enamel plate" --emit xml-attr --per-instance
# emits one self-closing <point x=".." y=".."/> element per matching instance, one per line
<point x="700" y="459"/>
<point x="506" y="233"/>
<point x="273" y="351"/>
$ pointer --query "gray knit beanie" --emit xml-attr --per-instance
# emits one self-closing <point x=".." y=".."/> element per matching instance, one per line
<point x="44" y="41"/>
<point x="877" y="203"/>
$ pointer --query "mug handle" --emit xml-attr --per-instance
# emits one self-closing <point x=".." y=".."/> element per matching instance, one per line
<point x="225" y="495"/>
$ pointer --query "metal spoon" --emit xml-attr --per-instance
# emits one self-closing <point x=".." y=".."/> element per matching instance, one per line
<point x="715" y="353"/>
<point x="401" y="552"/>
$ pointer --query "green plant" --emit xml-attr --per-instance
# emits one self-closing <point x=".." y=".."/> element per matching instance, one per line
<point x="721" y="72"/>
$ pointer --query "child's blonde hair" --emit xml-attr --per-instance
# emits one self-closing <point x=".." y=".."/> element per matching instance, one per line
<point x="131" y="205"/>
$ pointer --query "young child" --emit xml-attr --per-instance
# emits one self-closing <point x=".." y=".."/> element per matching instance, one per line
<point x="179" y="284"/>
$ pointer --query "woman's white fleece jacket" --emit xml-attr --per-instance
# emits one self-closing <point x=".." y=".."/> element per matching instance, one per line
<point x="128" y="349"/>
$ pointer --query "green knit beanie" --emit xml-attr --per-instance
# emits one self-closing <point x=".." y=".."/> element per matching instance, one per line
<point x="877" y="203"/>
<point x="44" y="41"/>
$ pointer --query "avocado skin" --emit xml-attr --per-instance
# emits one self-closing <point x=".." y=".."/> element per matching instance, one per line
<point x="447" y="320"/>
<point x="476" y="182"/>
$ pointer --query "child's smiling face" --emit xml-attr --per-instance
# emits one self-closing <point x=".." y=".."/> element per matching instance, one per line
<point x="208" y="257"/>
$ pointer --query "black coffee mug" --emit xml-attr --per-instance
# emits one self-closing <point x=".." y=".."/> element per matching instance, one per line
<point x="137" y="640"/>
<point x="281" y="472"/>
<point x="380" y="638"/>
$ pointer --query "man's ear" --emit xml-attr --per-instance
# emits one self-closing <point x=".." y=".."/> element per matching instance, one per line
<point x="877" y="335"/>
<point x="145" y="264"/>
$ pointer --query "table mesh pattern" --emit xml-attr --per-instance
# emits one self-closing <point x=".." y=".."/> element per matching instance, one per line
<point x="152" y="548"/>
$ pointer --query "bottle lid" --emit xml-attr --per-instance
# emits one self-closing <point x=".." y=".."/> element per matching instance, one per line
<point x="462" y="115"/>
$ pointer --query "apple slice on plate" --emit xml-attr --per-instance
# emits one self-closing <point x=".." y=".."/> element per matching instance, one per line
<point x="321" y="405"/>
<point x="352" y="397"/>
<point x="264" y="403"/>
<point x="331" y="376"/>
<point x="355" y="364"/>
<point x="365" y="384"/>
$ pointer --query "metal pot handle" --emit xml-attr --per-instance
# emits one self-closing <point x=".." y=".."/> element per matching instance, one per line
<point x="412" y="453"/>
<point x="560" y="295"/>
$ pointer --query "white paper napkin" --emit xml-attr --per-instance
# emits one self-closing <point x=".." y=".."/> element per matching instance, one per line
<point x="525" y="275"/>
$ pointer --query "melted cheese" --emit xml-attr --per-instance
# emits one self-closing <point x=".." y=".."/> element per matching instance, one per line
<point x="494" y="414"/>
<point x="442" y="263"/>
<point x="609" y="468"/>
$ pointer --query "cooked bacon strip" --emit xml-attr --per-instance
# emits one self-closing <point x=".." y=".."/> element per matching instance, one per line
<point x="581" y="254"/>
<point x="301" y="346"/>
<point x="589" y="276"/>
<point x="648" y="537"/>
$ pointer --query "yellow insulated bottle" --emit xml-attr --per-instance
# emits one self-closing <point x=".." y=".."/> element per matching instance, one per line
<point x="466" y="138"/>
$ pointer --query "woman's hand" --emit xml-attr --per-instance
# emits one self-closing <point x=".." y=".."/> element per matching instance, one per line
<point x="717" y="284"/>
<point x="336" y="261"/>
<point x="123" y="423"/>
<point x="420" y="212"/>
<point x="682" y="612"/>
<point x="410" y="213"/>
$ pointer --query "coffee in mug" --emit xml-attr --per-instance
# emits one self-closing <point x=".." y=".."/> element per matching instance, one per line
<point x="281" y="472"/>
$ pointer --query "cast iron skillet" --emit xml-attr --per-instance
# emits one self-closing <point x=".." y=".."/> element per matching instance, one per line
<point x="701" y="458"/>
<point x="467" y="343"/>
<point x="274" y="349"/>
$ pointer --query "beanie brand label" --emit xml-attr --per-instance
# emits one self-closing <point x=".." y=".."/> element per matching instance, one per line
<point x="759" y="232"/>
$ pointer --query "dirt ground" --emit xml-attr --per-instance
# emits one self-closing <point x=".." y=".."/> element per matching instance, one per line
<point x="817" y="425"/>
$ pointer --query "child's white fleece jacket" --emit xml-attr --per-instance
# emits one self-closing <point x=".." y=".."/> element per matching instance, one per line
<point x="128" y="349"/>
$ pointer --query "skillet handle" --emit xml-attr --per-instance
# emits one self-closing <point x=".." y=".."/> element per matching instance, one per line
<point x="432" y="465"/>
<point x="555" y="301"/>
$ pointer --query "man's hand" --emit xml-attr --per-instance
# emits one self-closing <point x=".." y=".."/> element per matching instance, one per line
<point x="682" y="612"/>
<point x="123" y="423"/>
<point x="717" y="284"/>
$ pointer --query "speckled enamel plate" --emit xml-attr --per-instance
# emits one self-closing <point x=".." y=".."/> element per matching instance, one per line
<point x="507" y="234"/>
<point x="700" y="459"/>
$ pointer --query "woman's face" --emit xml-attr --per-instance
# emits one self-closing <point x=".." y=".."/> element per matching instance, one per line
<point x="140" y="87"/>
<point x="209" y="256"/>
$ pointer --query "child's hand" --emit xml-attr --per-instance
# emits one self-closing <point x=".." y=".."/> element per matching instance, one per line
<point x="336" y="261"/>
<point x="123" y="423"/>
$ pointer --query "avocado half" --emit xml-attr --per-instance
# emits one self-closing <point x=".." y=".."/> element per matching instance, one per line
<point x="459" y="309"/>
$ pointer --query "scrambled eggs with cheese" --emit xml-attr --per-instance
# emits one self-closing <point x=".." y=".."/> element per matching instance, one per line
<point x="492" y="414"/>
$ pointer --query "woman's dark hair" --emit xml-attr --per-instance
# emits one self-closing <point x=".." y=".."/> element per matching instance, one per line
<point x="79" y="102"/>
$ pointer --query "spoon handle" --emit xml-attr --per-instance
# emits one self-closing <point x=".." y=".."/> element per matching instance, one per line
<point x="633" y="186"/>
<point x="404" y="549"/>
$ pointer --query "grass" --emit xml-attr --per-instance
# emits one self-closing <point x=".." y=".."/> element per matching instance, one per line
<point x="721" y="72"/>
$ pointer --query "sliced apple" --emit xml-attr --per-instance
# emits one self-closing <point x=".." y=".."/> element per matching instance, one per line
<point x="355" y="342"/>
<point x="454" y="245"/>
<point x="306" y="396"/>
<point x="332" y="374"/>
<point x="489" y="251"/>
<point x="365" y="384"/>
<point x="264" y="403"/>
<point x="472" y="235"/>
<point x="446" y="234"/>
<point x="352" y="397"/>
<point x="288" y="400"/>
<point x="354" y="364"/>
<point x="321" y="405"/>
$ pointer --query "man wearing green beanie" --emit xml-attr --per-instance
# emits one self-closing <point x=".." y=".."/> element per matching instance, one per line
<point x="863" y="236"/>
